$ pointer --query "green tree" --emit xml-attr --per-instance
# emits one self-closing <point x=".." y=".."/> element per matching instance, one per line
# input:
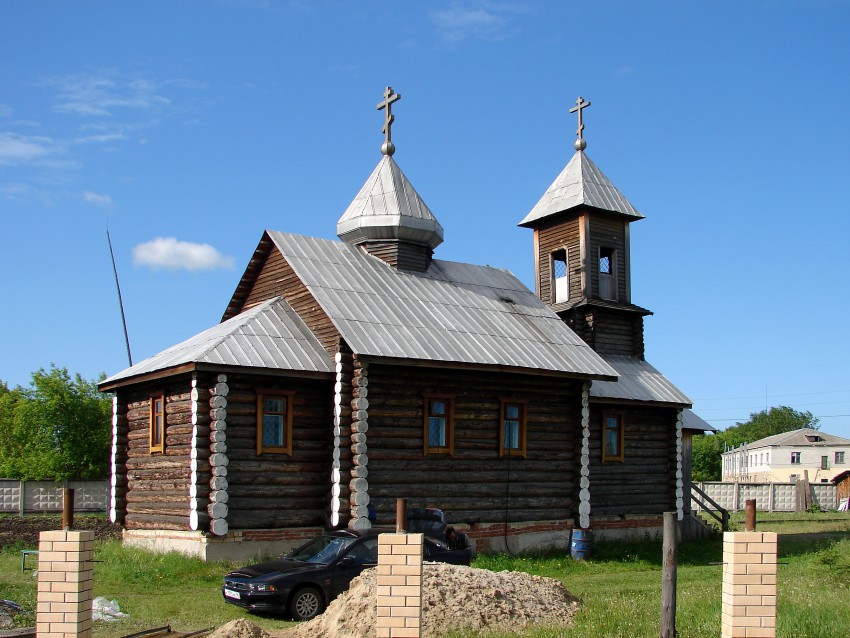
<point x="56" y="429"/>
<point x="706" y="449"/>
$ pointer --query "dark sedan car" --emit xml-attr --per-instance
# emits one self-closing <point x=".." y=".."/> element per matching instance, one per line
<point x="303" y="582"/>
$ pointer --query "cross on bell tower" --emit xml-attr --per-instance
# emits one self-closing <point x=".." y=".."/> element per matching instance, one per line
<point x="580" y="144"/>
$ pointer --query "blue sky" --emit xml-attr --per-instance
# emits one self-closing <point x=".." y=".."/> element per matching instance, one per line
<point x="191" y="127"/>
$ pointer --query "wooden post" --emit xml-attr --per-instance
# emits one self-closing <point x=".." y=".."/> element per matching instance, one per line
<point x="401" y="515"/>
<point x="750" y="515"/>
<point x="67" y="508"/>
<point x="668" y="579"/>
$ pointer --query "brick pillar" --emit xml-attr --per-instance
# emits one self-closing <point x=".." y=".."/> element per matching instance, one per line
<point x="399" y="585"/>
<point x="749" y="585"/>
<point x="65" y="584"/>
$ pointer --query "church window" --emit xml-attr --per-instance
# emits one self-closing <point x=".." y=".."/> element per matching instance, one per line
<point x="607" y="279"/>
<point x="795" y="458"/>
<point x="513" y="425"/>
<point x="560" y="276"/>
<point x="274" y="422"/>
<point x="612" y="436"/>
<point x="157" y="423"/>
<point x="439" y="423"/>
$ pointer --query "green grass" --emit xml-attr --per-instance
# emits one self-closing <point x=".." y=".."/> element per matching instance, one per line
<point x="620" y="585"/>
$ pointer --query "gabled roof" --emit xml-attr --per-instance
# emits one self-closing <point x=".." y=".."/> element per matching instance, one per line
<point x="388" y="207"/>
<point x="638" y="381"/>
<point x="452" y="313"/>
<point x="269" y="335"/>
<point x="798" y="438"/>
<point x="581" y="183"/>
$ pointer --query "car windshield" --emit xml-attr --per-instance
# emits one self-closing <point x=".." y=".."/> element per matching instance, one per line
<point x="322" y="550"/>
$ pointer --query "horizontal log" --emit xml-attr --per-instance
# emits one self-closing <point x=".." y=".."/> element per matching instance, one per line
<point x="263" y="496"/>
<point x="251" y="519"/>
<point x="176" y="498"/>
<point x="147" y="521"/>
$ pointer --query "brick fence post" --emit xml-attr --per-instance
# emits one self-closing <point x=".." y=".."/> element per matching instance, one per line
<point x="65" y="584"/>
<point x="399" y="585"/>
<point x="749" y="585"/>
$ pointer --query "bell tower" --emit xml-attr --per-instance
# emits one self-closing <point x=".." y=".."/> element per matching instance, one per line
<point x="582" y="255"/>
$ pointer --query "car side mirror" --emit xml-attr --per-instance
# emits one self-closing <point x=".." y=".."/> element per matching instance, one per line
<point x="346" y="561"/>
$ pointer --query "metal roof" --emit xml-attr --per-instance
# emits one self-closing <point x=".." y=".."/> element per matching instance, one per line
<point x="798" y="438"/>
<point x="638" y="381"/>
<point x="388" y="207"/>
<point x="269" y="335"/>
<point x="691" y="421"/>
<point x="454" y="312"/>
<point x="581" y="183"/>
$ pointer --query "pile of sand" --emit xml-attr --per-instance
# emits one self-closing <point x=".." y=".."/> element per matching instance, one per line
<point x="453" y="598"/>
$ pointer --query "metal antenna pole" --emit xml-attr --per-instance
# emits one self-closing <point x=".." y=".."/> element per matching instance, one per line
<point x="120" y="302"/>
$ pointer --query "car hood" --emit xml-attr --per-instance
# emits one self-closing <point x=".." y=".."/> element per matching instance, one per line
<point x="280" y="567"/>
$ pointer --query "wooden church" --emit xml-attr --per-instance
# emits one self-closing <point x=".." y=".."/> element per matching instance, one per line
<point x="350" y="373"/>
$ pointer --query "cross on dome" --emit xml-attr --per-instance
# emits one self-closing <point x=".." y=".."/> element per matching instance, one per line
<point x="388" y="148"/>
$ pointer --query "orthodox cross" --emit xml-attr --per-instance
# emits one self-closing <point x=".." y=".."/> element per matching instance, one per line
<point x="388" y="147"/>
<point x="580" y="144"/>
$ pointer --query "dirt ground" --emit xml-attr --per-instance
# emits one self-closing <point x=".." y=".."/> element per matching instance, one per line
<point x="22" y="531"/>
<point x="453" y="598"/>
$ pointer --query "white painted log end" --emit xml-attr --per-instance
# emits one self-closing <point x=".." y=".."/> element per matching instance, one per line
<point x="218" y="526"/>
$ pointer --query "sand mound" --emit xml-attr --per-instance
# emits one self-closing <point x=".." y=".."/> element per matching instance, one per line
<point x="239" y="628"/>
<point x="453" y="598"/>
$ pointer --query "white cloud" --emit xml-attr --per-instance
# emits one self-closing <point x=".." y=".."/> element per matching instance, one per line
<point x="100" y="95"/>
<point x="169" y="254"/>
<point x="104" y="201"/>
<point x="479" y="19"/>
<point x="22" y="149"/>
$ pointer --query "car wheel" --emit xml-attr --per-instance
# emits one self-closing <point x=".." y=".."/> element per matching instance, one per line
<point x="306" y="603"/>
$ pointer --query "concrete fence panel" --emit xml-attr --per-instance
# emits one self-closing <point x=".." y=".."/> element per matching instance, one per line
<point x="26" y="497"/>
<point x="770" y="497"/>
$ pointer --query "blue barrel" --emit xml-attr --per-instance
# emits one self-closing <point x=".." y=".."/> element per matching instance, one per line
<point x="580" y="540"/>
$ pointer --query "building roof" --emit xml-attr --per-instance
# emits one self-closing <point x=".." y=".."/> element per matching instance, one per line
<point x="800" y="438"/>
<point x="269" y="335"/>
<point x="452" y="313"/>
<point x="692" y="421"/>
<point x="638" y="381"/>
<point x="581" y="183"/>
<point x="388" y="207"/>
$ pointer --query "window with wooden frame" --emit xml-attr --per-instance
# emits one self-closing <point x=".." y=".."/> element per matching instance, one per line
<point x="438" y="423"/>
<point x="795" y="458"/>
<point x="839" y="458"/>
<point x="157" y="423"/>
<point x="513" y="427"/>
<point x="613" y="436"/>
<point x="274" y="422"/>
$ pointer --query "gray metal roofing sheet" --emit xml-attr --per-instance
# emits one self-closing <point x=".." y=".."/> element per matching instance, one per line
<point x="581" y="183"/>
<point x="453" y="313"/>
<point x="798" y="438"/>
<point x="638" y="381"/>
<point x="692" y="421"/>
<point x="270" y="335"/>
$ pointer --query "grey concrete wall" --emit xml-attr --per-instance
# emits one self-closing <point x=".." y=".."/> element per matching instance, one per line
<point x="24" y="497"/>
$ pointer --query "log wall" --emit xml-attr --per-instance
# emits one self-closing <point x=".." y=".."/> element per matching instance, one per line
<point x="608" y="332"/>
<point x="278" y="490"/>
<point x="401" y="254"/>
<point x="608" y="233"/>
<point x="157" y="492"/>
<point x="645" y="482"/>
<point x="553" y="236"/>
<point x="474" y="485"/>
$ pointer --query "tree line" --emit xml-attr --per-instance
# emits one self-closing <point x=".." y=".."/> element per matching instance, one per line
<point x="58" y="428"/>
<point x="707" y="448"/>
